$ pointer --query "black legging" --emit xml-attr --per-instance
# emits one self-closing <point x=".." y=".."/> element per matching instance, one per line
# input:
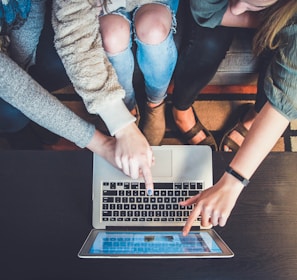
<point x="204" y="49"/>
<point x="198" y="62"/>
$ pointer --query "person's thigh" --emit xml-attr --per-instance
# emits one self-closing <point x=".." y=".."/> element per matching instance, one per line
<point x="48" y="69"/>
<point x="24" y="40"/>
<point x="204" y="50"/>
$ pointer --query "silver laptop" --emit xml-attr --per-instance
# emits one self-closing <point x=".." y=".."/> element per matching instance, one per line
<point x="129" y="224"/>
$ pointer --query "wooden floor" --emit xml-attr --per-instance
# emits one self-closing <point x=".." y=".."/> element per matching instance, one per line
<point x="216" y="107"/>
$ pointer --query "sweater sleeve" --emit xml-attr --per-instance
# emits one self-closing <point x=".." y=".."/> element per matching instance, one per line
<point x="21" y="91"/>
<point x="79" y="44"/>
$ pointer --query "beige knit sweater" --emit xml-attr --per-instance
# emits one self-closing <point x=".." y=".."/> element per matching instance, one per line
<point x="78" y="42"/>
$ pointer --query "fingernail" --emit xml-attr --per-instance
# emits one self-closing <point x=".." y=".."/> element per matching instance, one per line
<point x="149" y="192"/>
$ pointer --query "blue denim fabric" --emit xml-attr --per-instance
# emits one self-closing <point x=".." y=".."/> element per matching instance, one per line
<point x="156" y="62"/>
<point x="11" y="119"/>
<point x="123" y="64"/>
<point x="12" y="9"/>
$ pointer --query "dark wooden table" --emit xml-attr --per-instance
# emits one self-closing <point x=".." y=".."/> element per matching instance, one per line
<point x="45" y="215"/>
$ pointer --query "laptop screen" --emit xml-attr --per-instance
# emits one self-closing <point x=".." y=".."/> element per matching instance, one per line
<point x="168" y="244"/>
<point x="153" y="243"/>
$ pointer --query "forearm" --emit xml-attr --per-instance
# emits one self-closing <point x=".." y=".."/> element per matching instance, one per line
<point x="21" y="91"/>
<point x="215" y="204"/>
<point x="263" y="135"/>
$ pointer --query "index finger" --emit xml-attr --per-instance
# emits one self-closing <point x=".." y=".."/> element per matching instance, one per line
<point x="193" y="216"/>
<point x="148" y="179"/>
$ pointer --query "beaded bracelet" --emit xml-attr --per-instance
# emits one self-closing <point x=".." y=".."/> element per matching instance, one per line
<point x="243" y="180"/>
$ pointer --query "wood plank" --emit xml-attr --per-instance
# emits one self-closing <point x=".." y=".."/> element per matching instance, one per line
<point x="227" y="89"/>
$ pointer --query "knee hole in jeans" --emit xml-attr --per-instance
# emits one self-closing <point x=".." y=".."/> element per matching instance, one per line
<point x="153" y="23"/>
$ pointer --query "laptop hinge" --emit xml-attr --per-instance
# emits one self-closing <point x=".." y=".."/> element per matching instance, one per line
<point x="148" y="228"/>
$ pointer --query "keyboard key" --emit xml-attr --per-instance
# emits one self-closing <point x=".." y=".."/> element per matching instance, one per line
<point x="134" y="186"/>
<point x="162" y="186"/>
<point x="108" y="199"/>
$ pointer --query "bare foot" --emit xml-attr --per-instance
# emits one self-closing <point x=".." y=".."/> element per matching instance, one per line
<point x="185" y="121"/>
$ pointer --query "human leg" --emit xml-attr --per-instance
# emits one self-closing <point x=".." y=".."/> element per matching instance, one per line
<point x="156" y="51"/>
<point x="116" y="36"/>
<point x="156" y="55"/>
<point x="204" y="50"/>
<point x="24" y="40"/>
<point x="23" y="45"/>
<point x="11" y="119"/>
<point x="15" y="131"/>
<point x="48" y="69"/>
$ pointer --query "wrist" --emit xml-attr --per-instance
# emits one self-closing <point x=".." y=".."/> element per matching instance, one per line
<point x="97" y="142"/>
<point x="231" y="185"/>
<point x="126" y="130"/>
<point x="244" y="181"/>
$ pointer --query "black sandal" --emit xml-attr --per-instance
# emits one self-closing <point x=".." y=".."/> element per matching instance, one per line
<point x="239" y="127"/>
<point x="209" y="140"/>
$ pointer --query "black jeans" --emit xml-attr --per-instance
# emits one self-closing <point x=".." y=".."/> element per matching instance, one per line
<point x="204" y="49"/>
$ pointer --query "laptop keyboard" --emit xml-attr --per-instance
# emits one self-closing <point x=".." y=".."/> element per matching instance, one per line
<point x="128" y="201"/>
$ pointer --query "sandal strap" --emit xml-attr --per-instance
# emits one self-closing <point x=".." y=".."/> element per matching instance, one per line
<point x="230" y="144"/>
<point x="193" y="131"/>
<point x="240" y="128"/>
<point x="209" y="140"/>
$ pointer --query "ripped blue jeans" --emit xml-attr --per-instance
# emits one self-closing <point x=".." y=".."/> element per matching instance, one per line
<point x="156" y="62"/>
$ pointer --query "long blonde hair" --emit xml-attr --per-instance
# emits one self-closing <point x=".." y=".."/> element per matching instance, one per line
<point x="275" y="18"/>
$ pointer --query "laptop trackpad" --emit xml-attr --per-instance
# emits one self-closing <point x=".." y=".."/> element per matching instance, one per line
<point x="163" y="163"/>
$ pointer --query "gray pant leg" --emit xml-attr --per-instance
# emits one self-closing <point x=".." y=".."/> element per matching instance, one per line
<point x="24" y="40"/>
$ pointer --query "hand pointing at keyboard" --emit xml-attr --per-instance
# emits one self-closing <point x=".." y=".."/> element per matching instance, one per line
<point x="136" y="157"/>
